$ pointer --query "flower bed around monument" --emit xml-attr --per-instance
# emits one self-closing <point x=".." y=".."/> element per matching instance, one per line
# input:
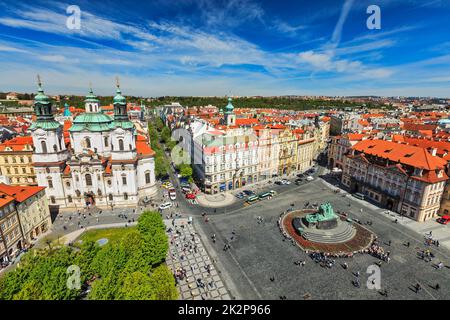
<point x="360" y="242"/>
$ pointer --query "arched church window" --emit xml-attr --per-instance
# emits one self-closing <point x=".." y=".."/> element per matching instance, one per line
<point x="52" y="199"/>
<point x="55" y="148"/>
<point x="124" y="180"/>
<point x="43" y="146"/>
<point x="110" y="197"/>
<point x="106" y="141"/>
<point x="147" y="177"/>
<point x="88" y="179"/>
<point x="125" y="196"/>
<point x="99" y="192"/>
<point x="87" y="142"/>
<point x="47" y="170"/>
<point x="68" y="184"/>
<point x="78" y="193"/>
<point x="69" y="198"/>
<point x="130" y="147"/>
<point x="121" y="148"/>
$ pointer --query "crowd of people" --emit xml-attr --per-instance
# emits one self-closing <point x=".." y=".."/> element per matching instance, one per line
<point x="430" y="241"/>
<point x="378" y="251"/>
<point x="323" y="259"/>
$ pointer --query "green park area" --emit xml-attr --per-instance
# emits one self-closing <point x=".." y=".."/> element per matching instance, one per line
<point x="112" y="234"/>
<point x="130" y="266"/>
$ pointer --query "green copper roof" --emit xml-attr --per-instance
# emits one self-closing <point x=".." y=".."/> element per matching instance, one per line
<point x="92" y="121"/>
<point x="41" y="98"/>
<point x="67" y="112"/>
<point x="123" y="124"/>
<point x="45" y="125"/>
<point x="229" y="108"/>
<point x="119" y="98"/>
<point x="91" y="97"/>
<point x="43" y="110"/>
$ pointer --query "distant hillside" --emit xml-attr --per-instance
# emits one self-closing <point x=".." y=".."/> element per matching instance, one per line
<point x="284" y="102"/>
<point x="261" y="102"/>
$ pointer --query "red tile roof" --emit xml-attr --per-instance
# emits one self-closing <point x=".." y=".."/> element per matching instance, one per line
<point x="405" y="154"/>
<point x="17" y="143"/>
<point x="142" y="147"/>
<point x="5" y="199"/>
<point x="246" y="121"/>
<point x="20" y="193"/>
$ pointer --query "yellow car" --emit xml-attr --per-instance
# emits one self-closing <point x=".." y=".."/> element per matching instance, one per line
<point x="167" y="185"/>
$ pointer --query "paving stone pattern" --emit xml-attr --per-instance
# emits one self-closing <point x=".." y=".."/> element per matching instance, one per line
<point x="186" y="252"/>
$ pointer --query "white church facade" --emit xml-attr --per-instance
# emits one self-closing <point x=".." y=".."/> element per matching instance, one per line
<point x="107" y="163"/>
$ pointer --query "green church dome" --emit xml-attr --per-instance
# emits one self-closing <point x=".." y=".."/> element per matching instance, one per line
<point x="40" y="97"/>
<point x="229" y="108"/>
<point x="119" y="98"/>
<point x="92" y="121"/>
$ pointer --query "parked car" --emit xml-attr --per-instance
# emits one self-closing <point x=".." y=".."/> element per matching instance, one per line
<point x="186" y="190"/>
<point x="167" y="185"/>
<point x="443" y="220"/>
<point x="301" y="175"/>
<point x="298" y="181"/>
<point x="240" y="195"/>
<point x="190" y="196"/>
<point x="285" y="181"/>
<point x="279" y="182"/>
<point x="165" y="205"/>
<point x="309" y="178"/>
<point x="248" y="192"/>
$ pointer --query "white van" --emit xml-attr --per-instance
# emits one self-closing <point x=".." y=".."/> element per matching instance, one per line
<point x="165" y="205"/>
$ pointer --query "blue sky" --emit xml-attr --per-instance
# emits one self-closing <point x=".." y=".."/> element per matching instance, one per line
<point x="242" y="47"/>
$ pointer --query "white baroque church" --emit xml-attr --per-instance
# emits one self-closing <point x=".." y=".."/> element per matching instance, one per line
<point x="107" y="163"/>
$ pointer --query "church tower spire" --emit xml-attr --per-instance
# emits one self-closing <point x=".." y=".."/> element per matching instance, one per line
<point x="91" y="101"/>
<point x="43" y="111"/>
<point x="120" y="110"/>
<point x="230" y="117"/>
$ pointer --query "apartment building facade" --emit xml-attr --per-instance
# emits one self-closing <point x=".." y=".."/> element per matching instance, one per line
<point x="403" y="178"/>
<point x="16" y="161"/>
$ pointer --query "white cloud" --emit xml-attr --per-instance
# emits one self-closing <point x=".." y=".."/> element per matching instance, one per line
<point x="10" y="49"/>
<point x="53" y="58"/>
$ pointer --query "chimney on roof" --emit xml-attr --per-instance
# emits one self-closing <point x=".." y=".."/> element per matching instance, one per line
<point x="433" y="151"/>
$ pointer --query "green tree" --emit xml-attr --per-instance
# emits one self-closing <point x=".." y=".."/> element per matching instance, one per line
<point x="185" y="170"/>
<point x="105" y="288"/>
<point x="165" y="135"/>
<point x="164" y="283"/>
<point x="137" y="286"/>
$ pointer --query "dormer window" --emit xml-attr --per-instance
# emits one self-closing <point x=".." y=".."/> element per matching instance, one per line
<point x="408" y="155"/>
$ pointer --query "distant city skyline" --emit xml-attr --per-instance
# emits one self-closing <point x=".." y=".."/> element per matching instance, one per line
<point x="214" y="48"/>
